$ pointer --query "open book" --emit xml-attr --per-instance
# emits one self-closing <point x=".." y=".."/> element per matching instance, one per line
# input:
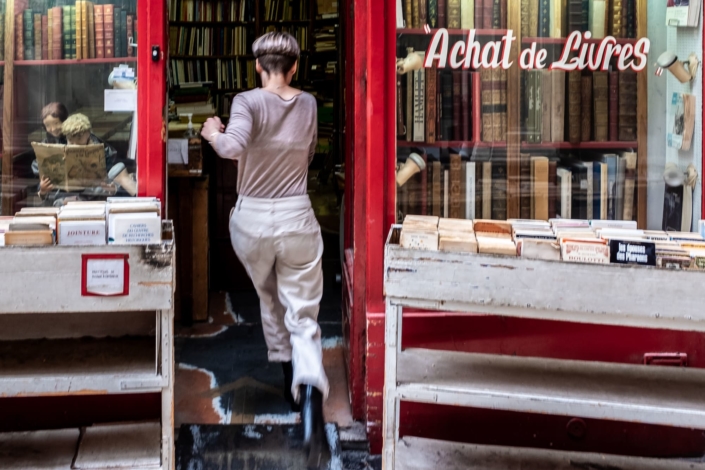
<point x="71" y="167"/>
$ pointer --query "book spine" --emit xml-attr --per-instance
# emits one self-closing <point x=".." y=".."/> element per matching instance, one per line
<point x="487" y="13"/>
<point x="534" y="18"/>
<point x="415" y="14"/>
<point x="499" y="190"/>
<point x="524" y="18"/>
<point x="531" y="113"/>
<point x="431" y="105"/>
<point x="586" y="105"/>
<point x="627" y="105"/>
<point x="538" y="106"/>
<point x="457" y="113"/>
<point x="446" y="118"/>
<point x="19" y="37"/>
<point x="586" y="16"/>
<point x="613" y="106"/>
<point x="109" y="30"/>
<point x="91" y="31"/>
<point x="574" y="107"/>
<point x="478" y="189"/>
<point x="45" y="37"/>
<point x="544" y="18"/>
<point x="73" y="32"/>
<point x="629" y="185"/>
<point x="465" y="88"/>
<point x="408" y="14"/>
<point x="546" y="105"/>
<point x="437" y="188"/>
<point x="442" y="14"/>
<point x="575" y="15"/>
<point x="98" y="11"/>
<point x="423" y="13"/>
<point x="130" y="34"/>
<point x="454" y="16"/>
<point x="66" y="31"/>
<point x="58" y="33"/>
<point x="478" y="12"/>
<point x="409" y="106"/>
<point x="419" y="104"/>
<point x="525" y="186"/>
<point x="455" y="170"/>
<point x="50" y="33"/>
<point x="433" y="13"/>
<point x="553" y="191"/>
<point x="486" y="190"/>
<point x="496" y="14"/>
<point x="123" y="34"/>
<point x="558" y="106"/>
<point x="38" y="40"/>
<point x="600" y="89"/>
<point x="617" y="19"/>
<point x="467" y="14"/>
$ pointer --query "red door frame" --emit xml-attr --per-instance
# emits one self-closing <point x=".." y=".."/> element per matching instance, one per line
<point x="151" y="98"/>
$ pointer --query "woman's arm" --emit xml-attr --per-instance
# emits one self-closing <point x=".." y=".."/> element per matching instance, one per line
<point x="234" y="141"/>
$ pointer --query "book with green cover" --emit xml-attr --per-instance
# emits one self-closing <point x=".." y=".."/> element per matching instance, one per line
<point x="73" y="32"/>
<point x="28" y="22"/>
<point x="118" y="39"/>
<point x="433" y="13"/>
<point x="122" y="32"/>
<point x="66" y="35"/>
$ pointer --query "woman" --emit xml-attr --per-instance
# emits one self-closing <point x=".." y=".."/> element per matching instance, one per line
<point x="272" y="133"/>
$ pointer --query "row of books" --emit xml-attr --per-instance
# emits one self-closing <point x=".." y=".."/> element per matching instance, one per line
<point x="599" y="187"/>
<point x="211" y="10"/>
<point x="210" y="41"/>
<point x="568" y="240"/>
<point x="119" y="221"/>
<point x="437" y="105"/>
<point x="285" y="10"/>
<point x="299" y="32"/>
<point x="455" y="14"/>
<point x="325" y="39"/>
<point x="591" y="106"/>
<point x="539" y="18"/>
<point x="82" y="31"/>
<point x="226" y="74"/>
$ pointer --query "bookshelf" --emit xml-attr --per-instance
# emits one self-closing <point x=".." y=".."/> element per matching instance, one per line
<point x="486" y="119"/>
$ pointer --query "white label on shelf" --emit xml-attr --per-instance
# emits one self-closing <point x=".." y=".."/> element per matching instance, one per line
<point x="105" y="276"/>
<point x="120" y="100"/>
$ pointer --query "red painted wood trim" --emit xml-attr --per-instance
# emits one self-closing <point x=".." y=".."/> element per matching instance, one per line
<point x="151" y="99"/>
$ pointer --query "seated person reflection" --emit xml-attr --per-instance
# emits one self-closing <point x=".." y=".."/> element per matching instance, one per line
<point x="77" y="130"/>
<point x="53" y="116"/>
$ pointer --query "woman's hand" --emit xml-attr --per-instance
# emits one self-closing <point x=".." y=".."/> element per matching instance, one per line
<point x="211" y="128"/>
<point x="45" y="186"/>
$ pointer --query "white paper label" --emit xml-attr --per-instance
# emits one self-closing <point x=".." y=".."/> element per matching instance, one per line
<point x="120" y="100"/>
<point x="105" y="276"/>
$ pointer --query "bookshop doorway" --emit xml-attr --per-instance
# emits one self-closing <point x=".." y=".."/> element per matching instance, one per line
<point x="204" y="77"/>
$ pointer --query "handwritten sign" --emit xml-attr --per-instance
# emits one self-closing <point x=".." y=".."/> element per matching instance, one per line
<point x="105" y="275"/>
<point x="579" y="52"/>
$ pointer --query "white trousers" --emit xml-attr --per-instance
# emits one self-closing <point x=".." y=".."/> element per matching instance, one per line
<point x="279" y="243"/>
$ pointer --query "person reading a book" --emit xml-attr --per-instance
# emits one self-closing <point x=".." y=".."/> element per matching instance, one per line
<point x="272" y="134"/>
<point x="53" y="116"/>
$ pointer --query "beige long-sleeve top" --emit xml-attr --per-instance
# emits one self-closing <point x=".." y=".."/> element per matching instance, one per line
<point x="273" y="140"/>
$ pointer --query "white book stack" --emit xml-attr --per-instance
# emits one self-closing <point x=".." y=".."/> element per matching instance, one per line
<point x="134" y="221"/>
<point x="82" y="224"/>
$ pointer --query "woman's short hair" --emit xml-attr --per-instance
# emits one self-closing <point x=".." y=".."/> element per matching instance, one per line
<point x="75" y="125"/>
<point x="56" y="110"/>
<point x="277" y="52"/>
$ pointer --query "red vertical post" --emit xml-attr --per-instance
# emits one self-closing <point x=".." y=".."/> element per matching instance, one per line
<point x="151" y="98"/>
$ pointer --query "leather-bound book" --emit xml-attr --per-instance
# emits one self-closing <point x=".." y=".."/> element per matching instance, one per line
<point x="600" y="91"/>
<point x="50" y="36"/>
<point x="123" y="32"/>
<point x="442" y="14"/>
<point x="467" y="14"/>
<point x="454" y="184"/>
<point x="431" y="106"/>
<point x="496" y="14"/>
<point x="453" y="14"/>
<point x="457" y="111"/>
<point x="57" y="23"/>
<point x="109" y="29"/>
<point x="617" y="20"/>
<point x="415" y="14"/>
<point x="487" y="108"/>
<point x="553" y="190"/>
<point x="433" y="13"/>
<point x="419" y="104"/>
<point x="45" y="37"/>
<point x="423" y="13"/>
<point x="586" y="105"/>
<point x="479" y="14"/>
<point x="28" y="24"/>
<point x="629" y="20"/>
<point x="524" y="18"/>
<point x="544" y="18"/>
<point x="499" y="110"/>
<point x="19" y="37"/>
<point x="546" y="105"/>
<point x="465" y="105"/>
<point x="130" y="34"/>
<point x="78" y="28"/>
<point x="574" y="107"/>
<point x="408" y="17"/>
<point x="614" y="105"/>
<point x="557" y="106"/>
<point x="534" y="18"/>
<point x="586" y="16"/>
<point x="446" y="105"/>
<point x="499" y="189"/>
<point x="100" y="34"/>
<point x="91" y="30"/>
<point x="627" y="105"/>
<point x="487" y="8"/>
<point x="37" y="36"/>
<point x="66" y="32"/>
<point x="525" y="186"/>
<point x="575" y="15"/>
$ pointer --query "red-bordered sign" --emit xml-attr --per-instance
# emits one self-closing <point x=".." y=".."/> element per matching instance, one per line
<point x="105" y="275"/>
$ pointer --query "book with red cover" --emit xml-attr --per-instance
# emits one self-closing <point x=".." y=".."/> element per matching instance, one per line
<point x="487" y="8"/>
<point x="19" y="37"/>
<point x="442" y="13"/>
<point x="57" y="37"/>
<point x="614" y="106"/>
<point x="45" y="37"/>
<point x="431" y="104"/>
<point x="98" y="11"/>
<point x="109" y="30"/>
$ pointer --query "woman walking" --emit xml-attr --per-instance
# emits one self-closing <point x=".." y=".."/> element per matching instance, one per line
<point x="272" y="133"/>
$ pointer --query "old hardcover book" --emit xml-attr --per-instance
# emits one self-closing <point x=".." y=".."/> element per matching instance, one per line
<point x="487" y="9"/>
<point x="99" y="32"/>
<point x="45" y="37"/>
<point x="442" y="14"/>
<point x="433" y="13"/>
<point x="437" y="192"/>
<point x="487" y="190"/>
<point x="538" y="105"/>
<point x="109" y="29"/>
<point x="467" y="14"/>
<point x="465" y="104"/>
<point x="130" y="34"/>
<point x="124" y="52"/>
<point x="557" y="106"/>
<point x="19" y="37"/>
<point x="579" y="200"/>
<point x="446" y="106"/>
<point x="629" y="184"/>
<point x="457" y="111"/>
<point x="455" y="195"/>
<point x="431" y="105"/>
<point x="525" y="186"/>
<point x="454" y="14"/>
<point x="617" y="19"/>
<point x="499" y="101"/>
<point x="564" y="181"/>
<point x="575" y="15"/>
<point x="496" y="14"/>
<point x="470" y="190"/>
<point x="66" y="32"/>
<point x="487" y="105"/>
<point x="600" y="89"/>
<point x="586" y="108"/>
<point x="423" y="13"/>
<point x="524" y="18"/>
<point x="50" y="37"/>
<point x="499" y="189"/>
<point x="73" y="32"/>
<point x="544" y="18"/>
<point x="558" y="19"/>
<point x="590" y="190"/>
<point x="586" y="15"/>
<point x="37" y="36"/>
<point x="78" y="11"/>
<point x="415" y="14"/>
<point x="91" y="30"/>
<point x="533" y="18"/>
<point x="419" y="104"/>
<point x="574" y="107"/>
<point x="553" y="190"/>
<point x="57" y="24"/>
<point x="627" y="105"/>
<point x="28" y="25"/>
<point x="546" y="102"/>
<point x="613" y="106"/>
<point x="629" y="20"/>
<point x="539" y="188"/>
<point x="598" y="18"/>
<point x="409" y="116"/>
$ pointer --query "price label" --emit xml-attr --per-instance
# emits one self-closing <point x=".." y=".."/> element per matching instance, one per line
<point x="105" y="275"/>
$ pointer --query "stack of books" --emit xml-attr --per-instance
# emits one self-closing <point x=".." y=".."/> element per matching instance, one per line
<point x="32" y="226"/>
<point x="82" y="223"/>
<point x="134" y="221"/>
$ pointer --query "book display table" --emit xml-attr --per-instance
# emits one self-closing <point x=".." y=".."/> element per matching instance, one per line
<point x="548" y="290"/>
<point x="85" y="323"/>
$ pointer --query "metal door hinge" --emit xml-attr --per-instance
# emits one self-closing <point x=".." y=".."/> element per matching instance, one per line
<point x="666" y="359"/>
